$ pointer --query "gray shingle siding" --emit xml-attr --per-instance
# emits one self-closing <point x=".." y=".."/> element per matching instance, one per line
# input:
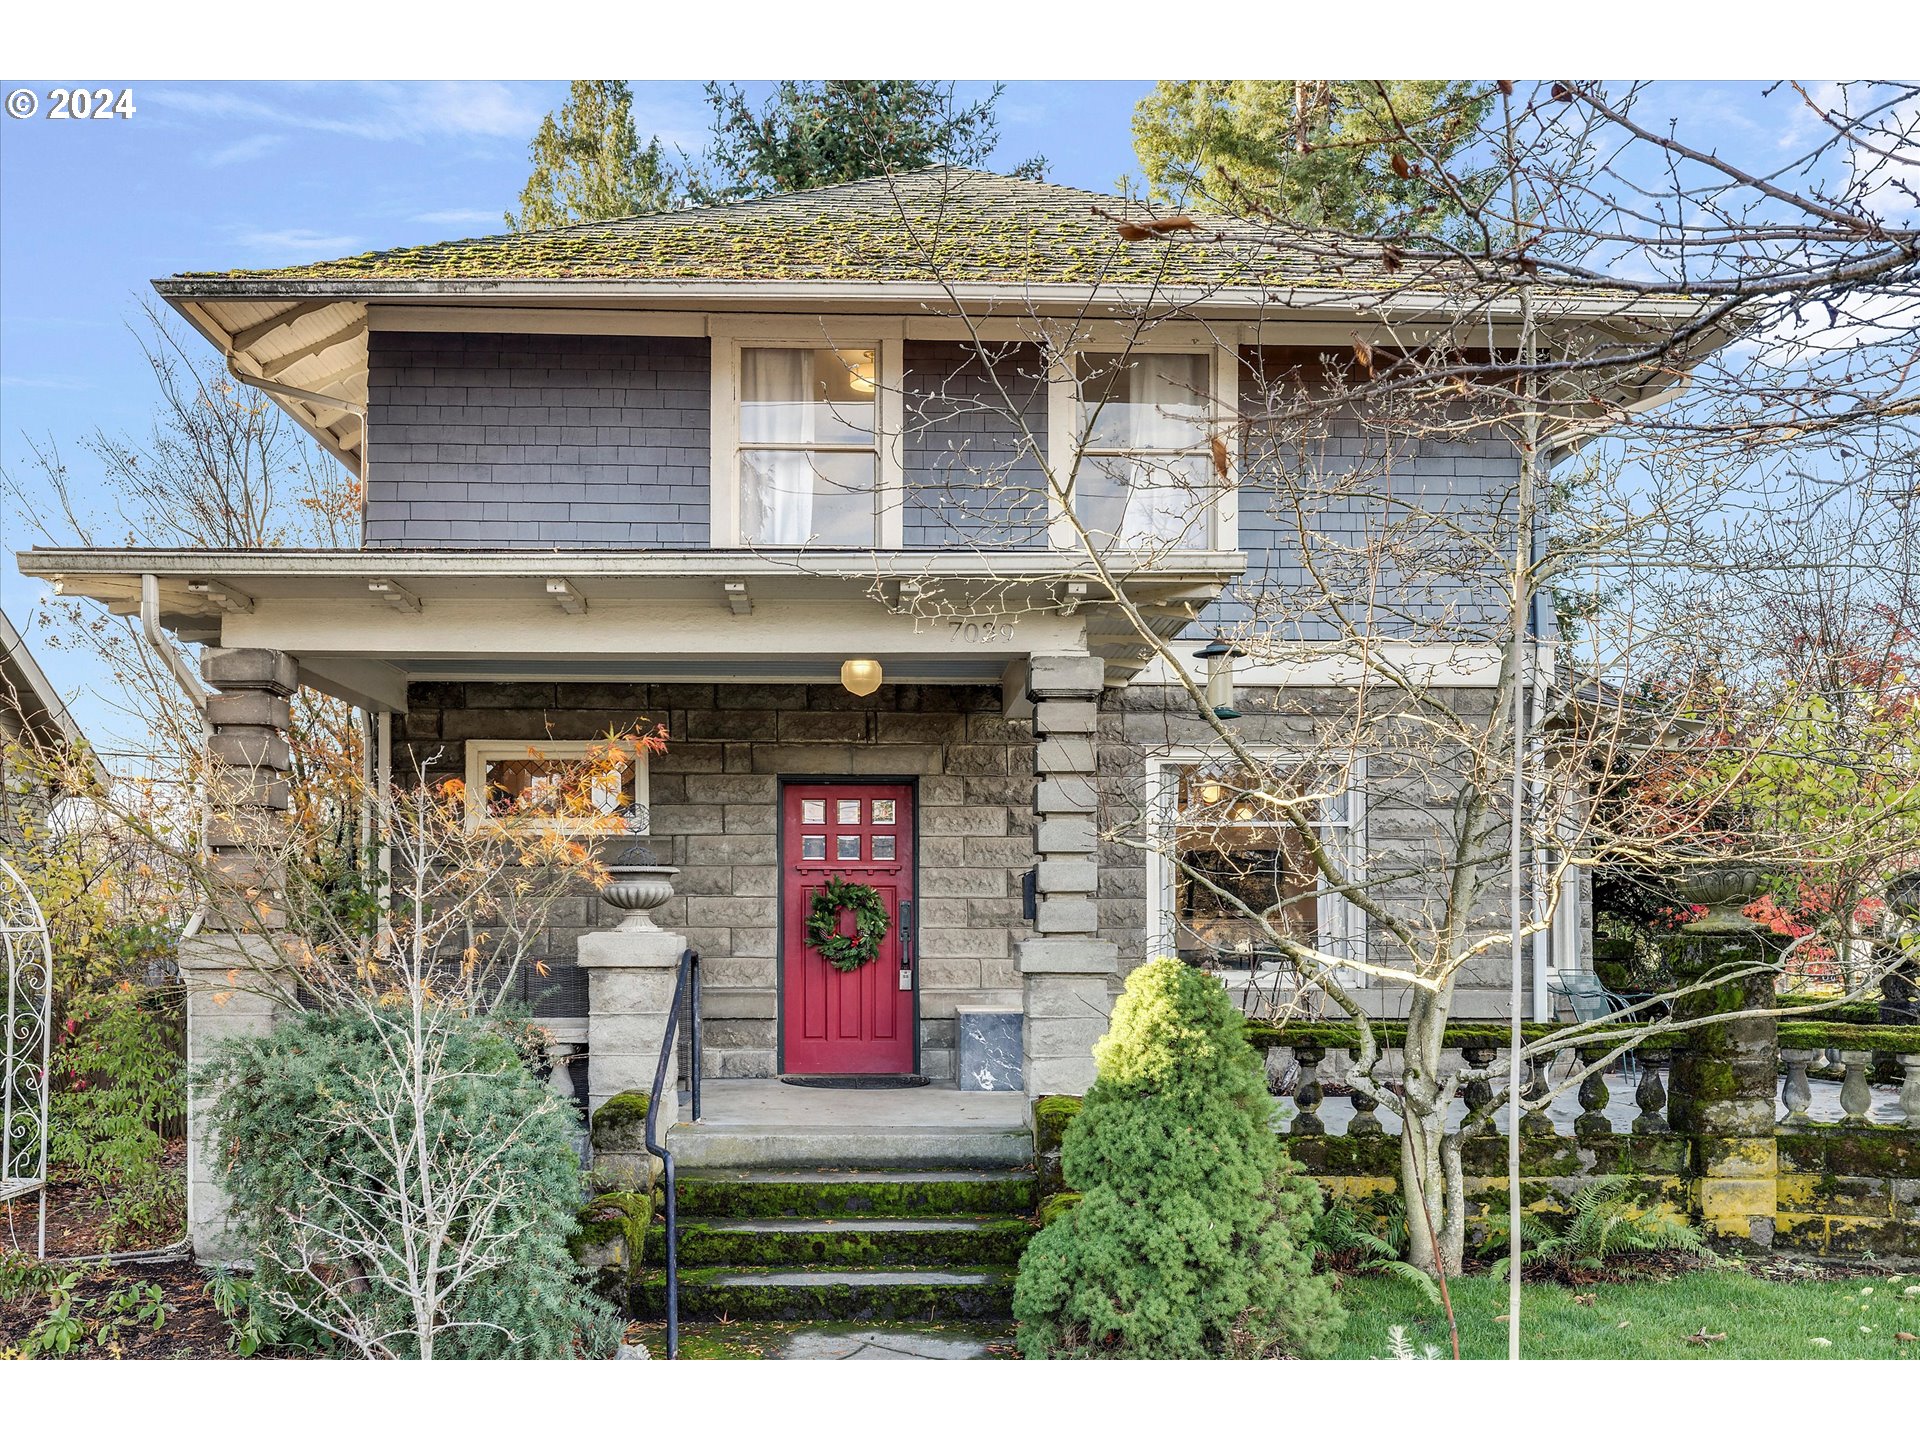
<point x="973" y="476"/>
<point x="1340" y="479"/>
<point x="537" y="441"/>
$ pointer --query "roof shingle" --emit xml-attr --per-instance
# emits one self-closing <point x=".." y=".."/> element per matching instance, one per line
<point x="943" y="224"/>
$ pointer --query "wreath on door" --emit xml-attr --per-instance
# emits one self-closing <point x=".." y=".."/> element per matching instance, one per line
<point x="847" y="953"/>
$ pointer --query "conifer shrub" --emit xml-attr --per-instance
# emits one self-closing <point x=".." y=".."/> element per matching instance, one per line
<point x="1193" y="1236"/>
<point x="408" y="1187"/>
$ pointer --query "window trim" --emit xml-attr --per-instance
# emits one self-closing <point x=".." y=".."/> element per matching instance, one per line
<point x="1063" y="414"/>
<point x="731" y="335"/>
<point x="481" y="753"/>
<point x="1348" y="930"/>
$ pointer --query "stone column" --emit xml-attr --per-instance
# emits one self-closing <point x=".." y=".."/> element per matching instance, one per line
<point x="631" y="971"/>
<point x="234" y="973"/>
<point x="1065" y="967"/>
<point x="1724" y="1075"/>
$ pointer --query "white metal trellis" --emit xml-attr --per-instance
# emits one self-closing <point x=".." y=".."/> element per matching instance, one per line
<point x="28" y="1047"/>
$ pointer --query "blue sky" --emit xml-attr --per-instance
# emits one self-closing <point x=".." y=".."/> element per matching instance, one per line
<point x="250" y="174"/>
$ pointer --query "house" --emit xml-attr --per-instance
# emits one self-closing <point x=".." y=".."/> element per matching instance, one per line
<point x="697" y="466"/>
<point x="33" y="716"/>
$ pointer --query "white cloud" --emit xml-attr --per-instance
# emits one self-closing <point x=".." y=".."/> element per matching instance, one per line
<point x="372" y="110"/>
<point x="251" y="148"/>
<point x="44" y="382"/>
<point x="494" y="218"/>
<point x="292" y="246"/>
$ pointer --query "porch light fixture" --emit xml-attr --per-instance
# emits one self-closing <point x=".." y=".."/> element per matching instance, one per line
<point x="862" y="677"/>
<point x="1220" y="656"/>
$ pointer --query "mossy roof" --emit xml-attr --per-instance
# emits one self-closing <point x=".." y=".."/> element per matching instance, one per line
<point x="943" y="224"/>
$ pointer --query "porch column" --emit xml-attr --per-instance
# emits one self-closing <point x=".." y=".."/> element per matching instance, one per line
<point x="235" y="975"/>
<point x="1065" y="967"/>
<point x="631" y="971"/>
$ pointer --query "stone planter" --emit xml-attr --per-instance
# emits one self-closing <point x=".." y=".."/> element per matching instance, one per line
<point x="1724" y="888"/>
<point x="638" y="890"/>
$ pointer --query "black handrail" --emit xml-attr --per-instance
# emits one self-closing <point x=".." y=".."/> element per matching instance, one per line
<point x="689" y="968"/>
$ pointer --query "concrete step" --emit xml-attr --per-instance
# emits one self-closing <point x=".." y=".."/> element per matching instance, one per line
<point x="762" y="1194"/>
<point x="829" y="1294"/>
<point x="832" y="1240"/>
<point x="711" y="1145"/>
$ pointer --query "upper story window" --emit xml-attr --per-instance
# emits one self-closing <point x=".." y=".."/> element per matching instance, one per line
<point x="1145" y="430"/>
<point x="809" y="464"/>
<point x="1146" y="475"/>
<point x="806" y="431"/>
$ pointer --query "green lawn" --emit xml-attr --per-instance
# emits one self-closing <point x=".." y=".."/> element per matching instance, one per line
<point x="1650" y="1319"/>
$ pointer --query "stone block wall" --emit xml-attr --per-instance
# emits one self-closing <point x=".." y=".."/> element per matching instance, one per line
<point x="714" y="806"/>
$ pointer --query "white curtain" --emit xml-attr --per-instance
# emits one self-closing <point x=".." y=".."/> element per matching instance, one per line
<point x="1164" y="405"/>
<point x="776" y="485"/>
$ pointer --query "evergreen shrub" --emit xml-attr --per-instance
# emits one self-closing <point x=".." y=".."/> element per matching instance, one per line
<point x="1193" y="1236"/>
<point x="339" y="1193"/>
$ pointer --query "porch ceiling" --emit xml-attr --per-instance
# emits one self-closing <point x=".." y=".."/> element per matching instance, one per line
<point x="365" y="622"/>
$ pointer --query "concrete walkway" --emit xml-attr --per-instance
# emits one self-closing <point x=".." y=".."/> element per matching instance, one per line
<point x="830" y="1343"/>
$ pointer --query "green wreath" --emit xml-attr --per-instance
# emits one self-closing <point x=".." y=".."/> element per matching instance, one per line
<point x="847" y="953"/>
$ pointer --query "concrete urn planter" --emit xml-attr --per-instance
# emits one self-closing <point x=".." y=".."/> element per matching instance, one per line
<point x="638" y="890"/>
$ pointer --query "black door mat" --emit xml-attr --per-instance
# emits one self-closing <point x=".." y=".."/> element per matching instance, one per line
<point x="855" y="1082"/>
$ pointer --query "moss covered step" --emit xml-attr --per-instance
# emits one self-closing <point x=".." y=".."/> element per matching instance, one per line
<point x="825" y="1293"/>
<point x="761" y="1194"/>
<point x="833" y="1240"/>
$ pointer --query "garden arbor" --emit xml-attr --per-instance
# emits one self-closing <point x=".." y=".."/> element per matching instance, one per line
<point x="25" y="1047"/>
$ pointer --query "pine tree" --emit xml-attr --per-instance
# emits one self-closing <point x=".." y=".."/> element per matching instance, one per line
<point x="824" y="132"/>
<point x="1192" y="1239"/>
<point x="589" y="164"/>
<point x="1355" y="155"/>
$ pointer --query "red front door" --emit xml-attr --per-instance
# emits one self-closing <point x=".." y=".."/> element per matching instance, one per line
<point x="859" y="1022"/>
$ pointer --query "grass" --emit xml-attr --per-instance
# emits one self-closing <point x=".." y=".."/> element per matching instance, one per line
<point x="1650" y="1319"/>
<point x="1860" y="1318"/>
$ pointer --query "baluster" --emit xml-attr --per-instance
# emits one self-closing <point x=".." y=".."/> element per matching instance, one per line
<point x="1795" y="1093"/>
<point x="1308" y="1093"/>
<point x="1536" y="1123"/>
<point x="1478" y="1092"/>
<point x="1364" y="1121"/>
<point x="1650" y="1095"/>
<point x="1594" y="1095"/>
<point x="1910" y="1091"/>
<point x="1856" y="1098"/>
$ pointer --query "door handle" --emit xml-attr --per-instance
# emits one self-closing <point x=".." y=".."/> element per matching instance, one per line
<point x="906" y="944"/>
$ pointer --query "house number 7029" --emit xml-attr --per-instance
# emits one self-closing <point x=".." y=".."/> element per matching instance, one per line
<point x="981" y="632"/>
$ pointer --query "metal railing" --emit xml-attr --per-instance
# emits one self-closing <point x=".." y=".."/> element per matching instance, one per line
<point x="686" y="985"/>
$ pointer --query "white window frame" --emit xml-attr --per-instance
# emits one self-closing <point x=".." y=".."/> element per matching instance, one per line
<point x="481" y="753"/>
<point x="1063" y="417"/>
<point x="733" y="333"/>
<point x="1342" y="925"/>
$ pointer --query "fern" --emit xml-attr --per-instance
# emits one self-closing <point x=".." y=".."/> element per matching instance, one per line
<point x="1605" y="1224"/>
<point x="1340" y="1230"/>
<point x="1399" y="1347"/>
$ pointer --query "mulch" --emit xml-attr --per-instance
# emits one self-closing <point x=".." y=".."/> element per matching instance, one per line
<point x="192" y="1328"/>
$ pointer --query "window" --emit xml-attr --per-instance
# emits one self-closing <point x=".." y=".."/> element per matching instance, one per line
<point x="805" y="432"/>
<point x="1146" y="473"/>
<point x="1225" y="846"/>
<point x="520" y="780"/>
<point x="809" y="467"/>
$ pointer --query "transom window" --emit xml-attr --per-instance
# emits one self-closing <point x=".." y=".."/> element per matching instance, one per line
<point x="1147" y="473"/>
<point x="1228" y="858"/>
<point x="809" y="459"/>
